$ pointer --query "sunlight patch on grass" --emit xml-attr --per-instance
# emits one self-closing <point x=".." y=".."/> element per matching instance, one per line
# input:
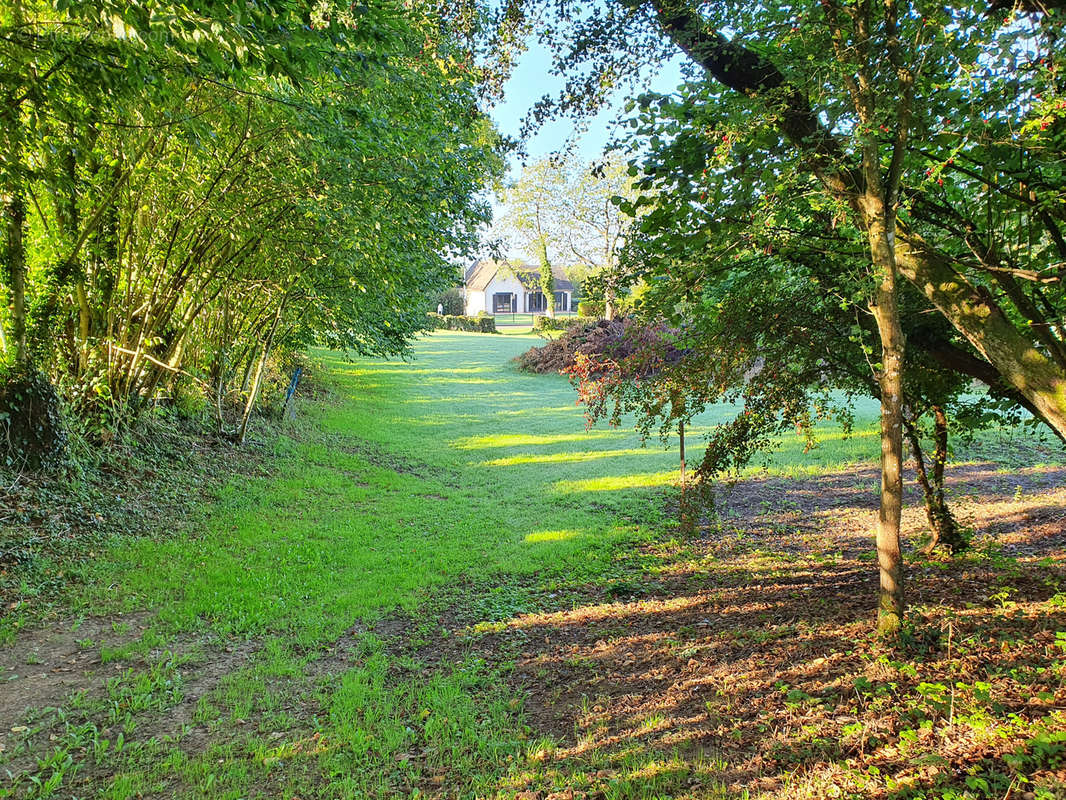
<point x="540" y="411"/>
<point x="527" y="439"/>
<point x="590" y="614"/>
<point x="610" y="483"/>
<point x="561" y="458"/>
<point x="552" y="536"/>
<point x="467" y="381"/>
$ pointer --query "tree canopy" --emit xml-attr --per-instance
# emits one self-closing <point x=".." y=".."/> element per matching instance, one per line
<point x="185" y="189"/>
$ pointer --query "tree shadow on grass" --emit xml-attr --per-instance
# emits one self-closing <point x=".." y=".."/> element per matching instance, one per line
<point x="778" y="682"/>
<point x="747" y="663"/>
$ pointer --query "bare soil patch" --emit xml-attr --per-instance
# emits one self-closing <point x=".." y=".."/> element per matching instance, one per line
<point x="49" y="663"/>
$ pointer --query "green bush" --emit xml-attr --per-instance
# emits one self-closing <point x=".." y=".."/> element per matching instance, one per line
<point x="457" y="322"/>
<point x="32" y="430"/>
<point x="452" y="300"/>
<point x="591" y="308"/>
<point x="546" y="323"/>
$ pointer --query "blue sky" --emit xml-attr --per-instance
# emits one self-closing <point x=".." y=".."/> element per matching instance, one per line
<point x="532" y="79"/>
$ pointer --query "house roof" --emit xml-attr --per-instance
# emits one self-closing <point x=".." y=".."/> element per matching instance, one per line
<point x="481" y="274"/>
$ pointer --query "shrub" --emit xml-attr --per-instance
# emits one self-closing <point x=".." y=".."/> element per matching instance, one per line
<point x="591" y="308"/>
<point x="546" y="323"/>
<point x="31" y="421"/>
<point x="558" y="354"/>
<point x="457" y="322"/>
<point x="615" y="339"/>
<point x="452" y="300"/>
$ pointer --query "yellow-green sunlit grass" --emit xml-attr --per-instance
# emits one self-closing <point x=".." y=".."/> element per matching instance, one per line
<point x="560" y="458"/>
<point x="527" y="439"/>
<point x="552" y="536"/>
<point x="612" y="483"/>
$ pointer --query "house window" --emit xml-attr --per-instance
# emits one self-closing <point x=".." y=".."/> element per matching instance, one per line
<point x="502" y="303"/>
<point x="560" y="301"/>
<point x="536" y="302"/>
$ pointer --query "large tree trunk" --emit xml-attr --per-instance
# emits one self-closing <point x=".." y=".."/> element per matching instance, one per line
<point x="885" y="309"/>
<point x="975" y="314"/>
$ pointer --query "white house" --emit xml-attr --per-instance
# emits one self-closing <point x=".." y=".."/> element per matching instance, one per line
<point x="499" y="287"/>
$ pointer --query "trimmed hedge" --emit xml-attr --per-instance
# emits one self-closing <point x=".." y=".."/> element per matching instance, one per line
<point x="478" y="324"/>
<point x="591" y="308"/>
<point x="559" y="323"/>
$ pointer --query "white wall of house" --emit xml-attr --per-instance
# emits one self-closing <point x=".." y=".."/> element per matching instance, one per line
<point x="475" y="302"/>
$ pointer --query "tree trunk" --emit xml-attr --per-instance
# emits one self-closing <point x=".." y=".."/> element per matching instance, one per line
<point x="943" y="528"/>
<point x="976" y="315"/>
<point x="547" y="280"/>
<point x="885" y="310"/>
<point x="681" y="437"/>
<point x="242" y="430"/>
<point x="16" y="270"/>
<point x="687" y="507"/>
<point x="15" y="250"/>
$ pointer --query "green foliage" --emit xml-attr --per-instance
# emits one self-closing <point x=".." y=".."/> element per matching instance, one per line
<point x="730" y="165"/>
<point x="1046" y="750"/>
<point x="547" y="279"/>
<point x="760" y="269"/>
<point x="590" y="308"/>
<point x="33" y="433"/>
<point x="452" y="300"/>
<point x="211" y="187"/>
<point x="546" y="323"/>
<point x="482" y="323"/>
<point x="559" y="209"/>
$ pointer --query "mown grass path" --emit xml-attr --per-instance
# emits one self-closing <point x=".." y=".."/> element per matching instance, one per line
<point x="304" y="642"/>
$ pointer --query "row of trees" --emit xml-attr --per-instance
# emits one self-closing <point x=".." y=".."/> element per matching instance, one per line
<point x="865" y="195"/>
<point x="187" y="188"/>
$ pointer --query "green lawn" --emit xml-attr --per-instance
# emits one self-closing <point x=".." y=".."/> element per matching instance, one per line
<point x="449" y="478"/>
